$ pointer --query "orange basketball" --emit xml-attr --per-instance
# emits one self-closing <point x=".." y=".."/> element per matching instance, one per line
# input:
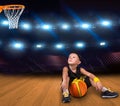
<point x="78" y="88"/>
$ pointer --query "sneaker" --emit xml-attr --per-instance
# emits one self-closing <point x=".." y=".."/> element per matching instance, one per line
<point x="66" y="97"/>
<point x="109" y="94"/>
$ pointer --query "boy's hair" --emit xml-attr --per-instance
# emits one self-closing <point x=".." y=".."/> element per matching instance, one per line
<point x="79" y="56"/>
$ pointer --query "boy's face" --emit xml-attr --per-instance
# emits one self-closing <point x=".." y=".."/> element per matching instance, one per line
<point x="73" y="59"/>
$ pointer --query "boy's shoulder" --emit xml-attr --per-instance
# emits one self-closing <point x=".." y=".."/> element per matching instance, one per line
<point x="81" y="66"/>
<point x="65" y="67"/>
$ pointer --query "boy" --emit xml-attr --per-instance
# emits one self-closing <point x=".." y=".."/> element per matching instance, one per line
<point x="73" y="70"/>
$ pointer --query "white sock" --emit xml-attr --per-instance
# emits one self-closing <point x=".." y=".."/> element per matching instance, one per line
<point x="104" y="89"/>
<point x="65" y="90"/>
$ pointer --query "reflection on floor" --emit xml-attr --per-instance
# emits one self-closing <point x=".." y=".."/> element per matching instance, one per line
<point x="44" y="90"/>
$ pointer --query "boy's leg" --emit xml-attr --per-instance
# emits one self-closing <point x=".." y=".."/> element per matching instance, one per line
<point x="105" y="93"/>
<point x="87" y="81"/>
<point x="65" y="92"/>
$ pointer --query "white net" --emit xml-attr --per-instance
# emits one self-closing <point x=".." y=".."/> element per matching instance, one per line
<point x="13" y="13"/>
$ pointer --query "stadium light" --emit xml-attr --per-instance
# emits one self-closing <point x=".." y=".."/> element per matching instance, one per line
<point x="80" y="45"/>
<point x="59" y="46"/>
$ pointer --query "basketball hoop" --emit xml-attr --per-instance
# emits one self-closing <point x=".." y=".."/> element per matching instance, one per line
<point x="13" y="13"/>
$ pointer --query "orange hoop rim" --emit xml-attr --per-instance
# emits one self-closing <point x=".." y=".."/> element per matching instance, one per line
<point x="1" y="7"/>
<point x="13" y="6"/>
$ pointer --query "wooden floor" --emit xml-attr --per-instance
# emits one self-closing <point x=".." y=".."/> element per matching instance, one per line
<point x="44" y="90"/>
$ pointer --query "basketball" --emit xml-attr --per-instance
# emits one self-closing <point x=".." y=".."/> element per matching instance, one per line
<point x="78" y="88"/>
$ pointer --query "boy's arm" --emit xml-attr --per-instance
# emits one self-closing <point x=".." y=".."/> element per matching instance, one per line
<point x="65" y="79"/>
<point x="97" y="83"/>
<point x="65" y="74"/>
<point x="90" y="75"/>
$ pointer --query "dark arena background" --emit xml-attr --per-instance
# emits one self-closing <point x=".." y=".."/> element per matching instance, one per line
<point x="48" y="31"/>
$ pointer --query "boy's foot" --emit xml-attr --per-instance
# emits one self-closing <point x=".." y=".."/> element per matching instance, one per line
<point x="109" y="94"/>
<point x="66" y="97"/>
